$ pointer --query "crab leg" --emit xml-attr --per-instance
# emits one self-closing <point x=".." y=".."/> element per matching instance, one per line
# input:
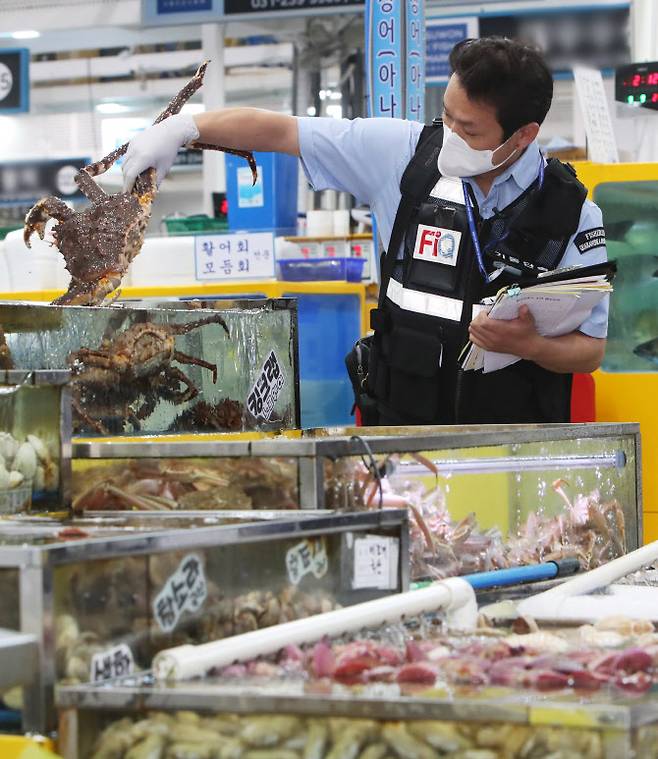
<point x="90" y="189"/>
<point x="181" y="396"/>
<point x="246" y="154"/>
<point x="38" y="215"/>
<point x="98" y="426"/>
<point x="88" y="294"/>
<point x="183" y="358"/>
<point x="183" y="329"/>
<point x="174" y="107"/>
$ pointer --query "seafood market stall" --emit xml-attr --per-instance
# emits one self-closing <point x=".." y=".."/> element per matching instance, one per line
<point x="102" y="595"/>
<point x="163" y="368"/>
<point x="480" y="498"/>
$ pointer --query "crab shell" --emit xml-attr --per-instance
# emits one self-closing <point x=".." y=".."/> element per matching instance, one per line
<point x="105" y="237"/>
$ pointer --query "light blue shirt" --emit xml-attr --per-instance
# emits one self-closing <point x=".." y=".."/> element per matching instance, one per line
<point x="367" y="157"/>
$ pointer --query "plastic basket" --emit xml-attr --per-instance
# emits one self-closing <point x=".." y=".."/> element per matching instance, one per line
<point x="195" y="224"/>
<point x="325" y="269"/>
<point x="16" y="500"/>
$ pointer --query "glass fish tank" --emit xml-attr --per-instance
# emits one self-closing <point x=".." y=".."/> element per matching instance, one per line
<point x="479" y="498"/>
<point x="104" y="594"/>
<point x="630" y="215"/>
<point x="159" y="368"/>
<point x="35" y="439"/>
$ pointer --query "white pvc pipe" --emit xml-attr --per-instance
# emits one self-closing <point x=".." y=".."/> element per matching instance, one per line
<point x="455" y="596"/>
<point x="551" y="600"/>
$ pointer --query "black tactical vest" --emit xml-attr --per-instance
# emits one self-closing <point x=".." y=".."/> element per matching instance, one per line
<point x="421" y="326"/>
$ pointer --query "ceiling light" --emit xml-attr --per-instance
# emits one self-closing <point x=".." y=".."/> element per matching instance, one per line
<point x="110" y="108"/>
<point x="27" y="34"/>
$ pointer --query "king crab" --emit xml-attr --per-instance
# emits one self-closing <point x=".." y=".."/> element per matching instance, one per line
<point x="99" y="243"/>
<point x="135" y="364"/>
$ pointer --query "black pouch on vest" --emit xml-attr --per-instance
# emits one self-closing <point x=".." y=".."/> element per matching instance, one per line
<point x="356" y="362"/>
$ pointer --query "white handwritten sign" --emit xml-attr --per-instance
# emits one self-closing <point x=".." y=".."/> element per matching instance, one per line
<point x="115" y="662"/>
<point x="601" y="142"/>
<point x="185" y="590"/>
<point x="307" y="557"/>
<point x="376" y="563"/>
<point x="266" y="389"/>
<point x="236" y="256"/>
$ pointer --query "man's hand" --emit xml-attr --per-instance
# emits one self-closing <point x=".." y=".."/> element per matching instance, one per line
<point x="570" y="353"/>
<point x="516" y="336"/>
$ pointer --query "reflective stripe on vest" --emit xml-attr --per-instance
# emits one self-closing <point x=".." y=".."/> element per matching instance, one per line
<point x="424" y="303"/>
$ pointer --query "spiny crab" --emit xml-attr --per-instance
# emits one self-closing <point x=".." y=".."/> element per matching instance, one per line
<point x="99" y="242"/>
<point x="136" y="365"/>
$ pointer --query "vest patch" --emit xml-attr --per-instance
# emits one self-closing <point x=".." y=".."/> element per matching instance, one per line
<point x="437" y="245"/>
<point x="589" y="239"/>
<point x="449" y="189"/>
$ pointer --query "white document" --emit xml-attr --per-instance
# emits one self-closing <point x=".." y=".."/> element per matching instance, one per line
<point x="557" y="308"/>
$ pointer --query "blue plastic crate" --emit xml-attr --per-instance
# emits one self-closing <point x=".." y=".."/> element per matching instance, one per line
<point x="325" y="269"/>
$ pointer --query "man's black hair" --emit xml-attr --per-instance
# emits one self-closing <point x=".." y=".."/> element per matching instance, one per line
<point x="509" y="75"/>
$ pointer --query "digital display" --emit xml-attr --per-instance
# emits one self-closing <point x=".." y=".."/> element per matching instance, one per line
<point x="637" y="85"/>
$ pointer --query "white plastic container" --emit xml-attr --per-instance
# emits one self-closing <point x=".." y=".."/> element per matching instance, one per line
<point x="164" y="261"/>
<point x="40" y="267"/>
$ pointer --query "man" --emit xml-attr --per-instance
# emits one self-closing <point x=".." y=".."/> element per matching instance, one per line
<point x="496" y="212"/>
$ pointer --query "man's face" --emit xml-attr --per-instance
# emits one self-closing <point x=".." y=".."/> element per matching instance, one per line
<point x="475" y="122"/>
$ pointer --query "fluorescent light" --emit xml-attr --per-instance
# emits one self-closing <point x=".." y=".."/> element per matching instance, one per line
<point x="193" y="108"/>
<point x="311" y="110"/>
<point x="110" y="108"/>
<point x="27" y="34"/>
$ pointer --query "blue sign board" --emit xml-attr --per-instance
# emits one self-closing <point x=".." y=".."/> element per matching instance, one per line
<point x="14" y="80"/>
<point x="441" y="38"/>
<point x="384" y="62"/>
<point x="415" y="61"/>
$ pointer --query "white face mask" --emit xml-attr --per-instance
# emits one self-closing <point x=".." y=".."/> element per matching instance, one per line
<point x="458" y="159"/>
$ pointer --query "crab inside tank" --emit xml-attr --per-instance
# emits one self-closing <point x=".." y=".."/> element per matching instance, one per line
<point x="171" y="367"/>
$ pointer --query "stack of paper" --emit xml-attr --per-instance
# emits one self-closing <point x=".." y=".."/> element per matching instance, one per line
<point x="559" y="305"/>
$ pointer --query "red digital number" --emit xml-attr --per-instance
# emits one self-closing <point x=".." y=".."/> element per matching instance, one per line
<point x="654" y="97"/>
<point x="636" y="81"/>
<point x="653" y="78"/>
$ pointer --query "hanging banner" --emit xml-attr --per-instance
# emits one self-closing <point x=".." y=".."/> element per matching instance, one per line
<point x="441" y="36"/>
<point x="415" y="61"/>
<point x="14" y="80"/>
<point x="384" y="57"/>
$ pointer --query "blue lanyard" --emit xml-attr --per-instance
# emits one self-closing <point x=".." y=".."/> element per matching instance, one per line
<point x="473" y="231"/>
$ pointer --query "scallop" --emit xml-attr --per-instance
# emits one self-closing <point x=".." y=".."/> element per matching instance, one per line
<point x="39" y="448"/>
<point x="25" y="461"/>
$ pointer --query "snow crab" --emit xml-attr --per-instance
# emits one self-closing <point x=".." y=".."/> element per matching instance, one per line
<point x="128" y="374"/>
<point x="99" y="242"/>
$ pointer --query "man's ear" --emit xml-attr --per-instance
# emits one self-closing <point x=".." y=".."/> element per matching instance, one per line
<point x="526" y="134"/>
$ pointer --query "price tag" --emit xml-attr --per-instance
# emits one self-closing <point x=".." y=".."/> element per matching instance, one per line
<point x="264" y="394"/>
<point x="115" y="662"/>
<point x="185" y="590"/>
<point x="307" y="557"/>
<point x="376" y="563"/>
<point x="236" y="256"/>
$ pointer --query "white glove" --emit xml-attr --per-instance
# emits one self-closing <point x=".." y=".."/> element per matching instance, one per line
<point x="156" y="147"/>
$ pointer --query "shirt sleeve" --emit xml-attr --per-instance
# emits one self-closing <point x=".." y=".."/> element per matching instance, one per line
<point x="358" y="156"/>
<point x="596" y="325"/>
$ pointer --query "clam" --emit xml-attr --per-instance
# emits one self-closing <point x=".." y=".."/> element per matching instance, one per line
<point x="4" y="475"/>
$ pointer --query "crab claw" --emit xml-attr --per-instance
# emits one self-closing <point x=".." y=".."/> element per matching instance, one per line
<point x="38" y="216"/>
